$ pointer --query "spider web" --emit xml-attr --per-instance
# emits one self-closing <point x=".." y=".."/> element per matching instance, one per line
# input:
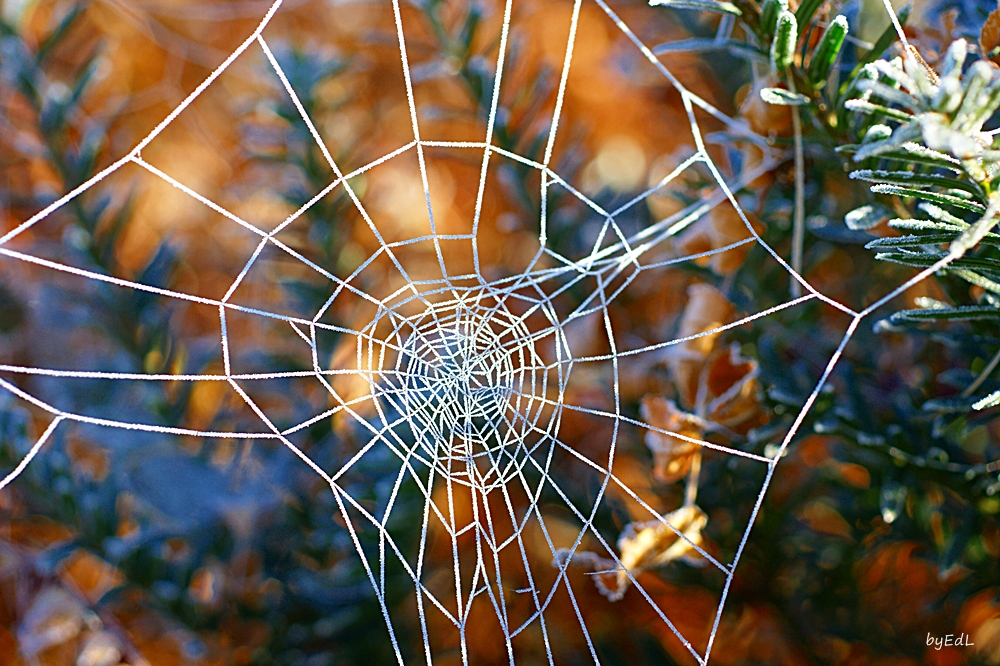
<point x="467" y="377"/>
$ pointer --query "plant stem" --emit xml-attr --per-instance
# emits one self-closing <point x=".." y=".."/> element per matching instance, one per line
<point x="691" y="490"/>
<point x="990" y="367"/>
<point x="798" y="220"/>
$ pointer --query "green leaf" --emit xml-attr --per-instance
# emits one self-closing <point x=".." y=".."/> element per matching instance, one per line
<point x="911" y="179"/>
<point x="106" y="242"/>
<point x="935" y="197"/>
<point x="992" y="400"/>
<point x="941" y="215"/>
<point x="975" y="278"/>
<point x="877" y="132"/>
<point x="786" y="36"/>
<point x="911" y="153"/>
<point x="848" y="148"/>
<point x="468" y="32"/>
<point x="866" y="217"/>
<point x="826" y="53"/>
<point x="933" y="226"/>
<point x="782" y="97"/>
<point x="913" y="224"/>
<point x="953" y="405"/>
<point x="902" y="134"/>
<point x="911" y="240"/>
<point x="978" y="230"/>
<point x="887" y="38"/>
<point x="890" y="95"/>
<point x="914" y="152"/>
<point x="769" y="15"/>
<point x="48" y="44"/>
<point x="916" y="260"/>
<point x="700" y="5"/>
<point x="939" y="135"/>
<point x="882" y="44"/>
<point x="981" y="85"/>
<point x="868" y="108"/>
<point x="963" y="313"/>
<point x="806" y="10"/>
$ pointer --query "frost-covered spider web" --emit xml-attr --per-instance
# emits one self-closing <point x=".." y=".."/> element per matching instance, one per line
<point x="467" y="379"/>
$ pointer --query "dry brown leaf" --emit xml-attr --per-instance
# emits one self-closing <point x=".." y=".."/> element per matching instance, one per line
<point x="765" y="119"/>
<point x="722" y="390"/>
<point x="728" y="391"/>
<point x="90" y="459"/>
<point x="989" y="38"/>
<point x="664" y="202"/>
<point x="757" y="634"/>
<point x="721" y="227"/>
<point x="672" y="455"/>
<point x="707" y="309"/>
<point x="854" y="474"/>
<point x="824" y="519"/>
<point x="9" y="654"/>
<point x="980" y="621"/>
<point x="654" y="543"/>
<point x="644" y="546"/>
<point x="55" y="617"/>
<point x="90" y="575"/>
<point x="100" y="648"/>
<point x="36" y="532"/>
<point x="718" y="388"/>
<point x="900" y="591"/>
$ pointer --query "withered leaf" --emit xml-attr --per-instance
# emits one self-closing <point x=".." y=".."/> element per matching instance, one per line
<point x="672" y="455"/>
<point x="989" y="38"/>
<point x="645" y="545"/>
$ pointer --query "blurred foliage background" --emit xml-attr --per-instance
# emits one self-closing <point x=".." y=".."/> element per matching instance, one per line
<point x="880" y="526"/>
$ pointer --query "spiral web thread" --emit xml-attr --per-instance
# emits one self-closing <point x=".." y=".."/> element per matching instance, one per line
<point x="452" y="363"/>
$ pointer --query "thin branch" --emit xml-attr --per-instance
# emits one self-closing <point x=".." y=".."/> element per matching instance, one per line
<point x="990" y="367"/>
<point x="799" y="222"/>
